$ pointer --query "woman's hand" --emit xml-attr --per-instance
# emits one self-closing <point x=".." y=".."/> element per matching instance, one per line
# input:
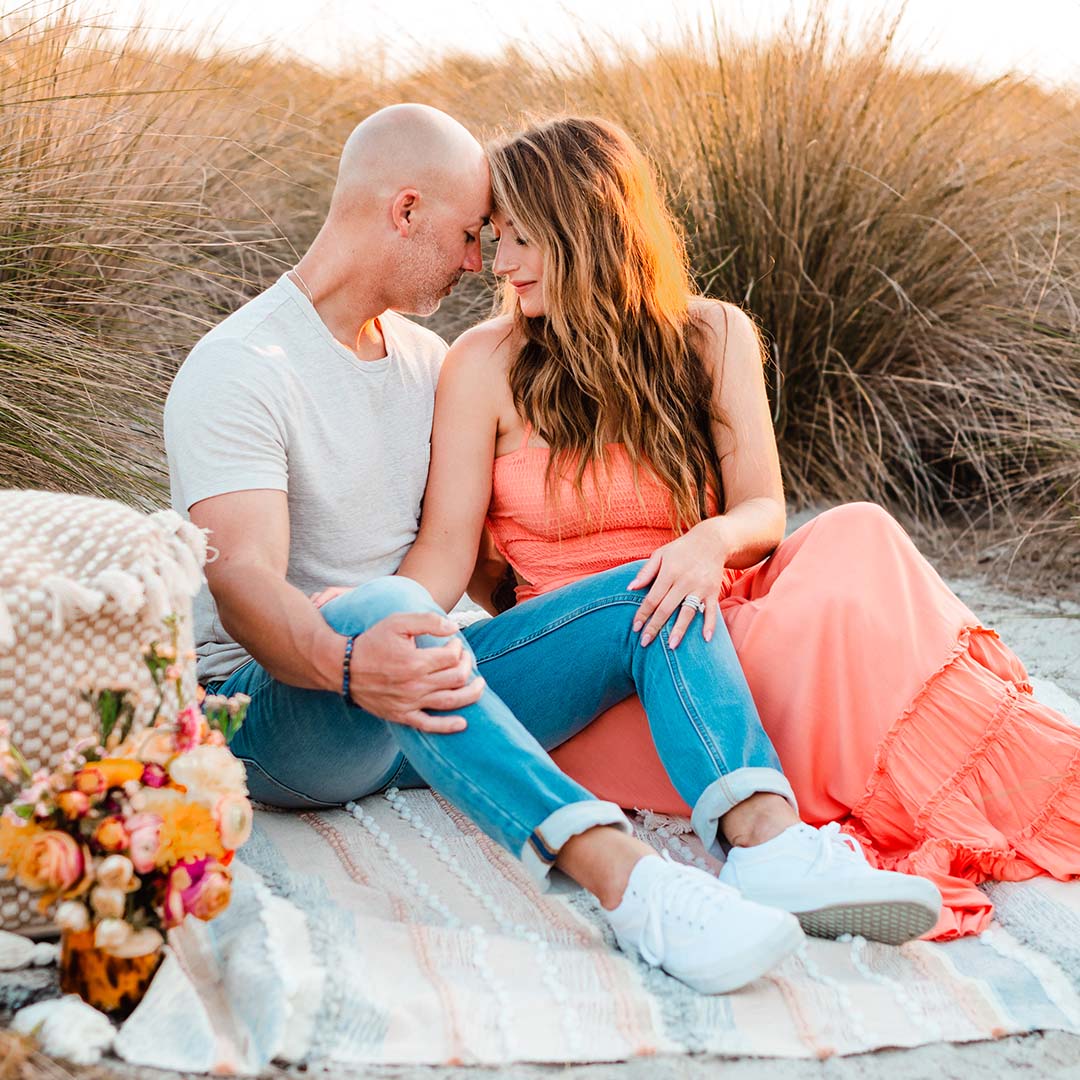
<point x="691" y="565"/>
<point x="326" y="595"/>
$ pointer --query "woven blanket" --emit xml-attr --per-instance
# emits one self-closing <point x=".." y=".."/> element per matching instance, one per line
<point x="394" y="932"/>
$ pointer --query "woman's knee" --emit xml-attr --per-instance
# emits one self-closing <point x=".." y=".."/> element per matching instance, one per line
<point x="858" y="520"/>
<point x="362" y="607"/>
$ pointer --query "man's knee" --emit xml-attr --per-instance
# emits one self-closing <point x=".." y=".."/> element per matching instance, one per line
<point x="362" y="607"/>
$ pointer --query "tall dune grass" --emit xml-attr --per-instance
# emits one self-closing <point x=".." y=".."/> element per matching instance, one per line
<point x="909" y="241"/>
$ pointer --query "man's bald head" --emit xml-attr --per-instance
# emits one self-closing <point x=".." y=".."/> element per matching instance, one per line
<point x="408" y="146"/>
<point x="412" y="194"/>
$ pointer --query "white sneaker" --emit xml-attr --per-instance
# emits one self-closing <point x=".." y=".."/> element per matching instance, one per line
<point x="699" y="930"/>
<point x="822" y="876"/>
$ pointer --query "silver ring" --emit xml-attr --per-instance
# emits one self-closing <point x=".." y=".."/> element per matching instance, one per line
<point x="695" y="602"/>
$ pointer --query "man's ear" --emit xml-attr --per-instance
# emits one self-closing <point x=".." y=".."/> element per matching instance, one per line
<point x="403" y="210"/>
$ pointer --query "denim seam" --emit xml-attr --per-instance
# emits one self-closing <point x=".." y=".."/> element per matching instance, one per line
<point x="632" y="599"/>
<point x="291" y="790"/>
<point x="393" y="776"/>
<point x="686" y="700"/>
<point x="494" y="809"/>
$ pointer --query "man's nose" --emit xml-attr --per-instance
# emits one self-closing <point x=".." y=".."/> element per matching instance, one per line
<point x="474" y="260"/>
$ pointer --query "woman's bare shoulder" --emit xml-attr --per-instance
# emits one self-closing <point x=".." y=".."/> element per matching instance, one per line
<point x="726" y="331"/>
<point x="492" y="342"/>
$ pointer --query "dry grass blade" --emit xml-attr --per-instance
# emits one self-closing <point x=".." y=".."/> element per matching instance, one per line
<point x="910" y="241"/>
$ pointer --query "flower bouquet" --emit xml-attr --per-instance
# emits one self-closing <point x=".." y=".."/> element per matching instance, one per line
<point x="130" y="832"/>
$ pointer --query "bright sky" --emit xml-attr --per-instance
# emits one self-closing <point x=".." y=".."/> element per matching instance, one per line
<point x="1038" y="37"/>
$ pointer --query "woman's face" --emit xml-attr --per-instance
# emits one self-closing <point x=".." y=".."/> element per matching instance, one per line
<point x="521" y="263"/>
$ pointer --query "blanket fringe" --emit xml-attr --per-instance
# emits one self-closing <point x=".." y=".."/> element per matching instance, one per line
<point x="125" y="588"/>
<point x="69" y="600"/>
<point x="160" y="584"/>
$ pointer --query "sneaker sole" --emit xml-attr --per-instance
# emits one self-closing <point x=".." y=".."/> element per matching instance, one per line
<point x="764" y="956"/>
<point x="891" y="922"/>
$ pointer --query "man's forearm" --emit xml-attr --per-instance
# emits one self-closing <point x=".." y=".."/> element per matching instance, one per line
<point x="279" y="626"/>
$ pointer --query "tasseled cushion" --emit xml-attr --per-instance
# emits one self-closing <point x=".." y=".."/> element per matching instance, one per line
<point x="85" y="585"/>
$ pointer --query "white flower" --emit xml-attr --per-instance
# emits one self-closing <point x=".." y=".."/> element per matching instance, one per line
<point x="112" y="934"/>
<point x="72" y="916"/>
<point x="117" y="872"/>
<point x="108" y="904"/>
<point x="139" y="943"/>
<point x="209" y="772"/>
<point x="156" y="744"/>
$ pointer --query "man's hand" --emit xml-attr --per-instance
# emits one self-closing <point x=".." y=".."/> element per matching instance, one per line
<point x="392" y="677"/>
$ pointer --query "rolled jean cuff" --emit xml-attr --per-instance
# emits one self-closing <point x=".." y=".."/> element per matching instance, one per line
<point x="546" y="841"/>
<point x="730" y="790"/>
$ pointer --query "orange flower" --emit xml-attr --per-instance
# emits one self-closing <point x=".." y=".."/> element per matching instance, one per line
<point x="73" y="804"/>
<point x="14" y="836"/>
<point x="188" y="831"/>
<point x="51" y="860"/>
<point x="111" y="835"/>
<point x="108" y="773"/>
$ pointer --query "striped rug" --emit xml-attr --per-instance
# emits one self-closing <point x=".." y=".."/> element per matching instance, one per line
<point x="434" y="947"/>
<point x="394" y="932"/>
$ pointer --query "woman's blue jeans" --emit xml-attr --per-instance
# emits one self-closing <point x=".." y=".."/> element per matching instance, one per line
<point x="552" y="664"/>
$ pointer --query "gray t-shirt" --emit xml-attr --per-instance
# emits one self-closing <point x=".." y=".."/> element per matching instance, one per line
<point x="269" y="399"/>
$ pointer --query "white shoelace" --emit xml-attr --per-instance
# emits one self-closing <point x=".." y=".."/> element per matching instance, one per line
<point x="834" y="844"/>
<point x="686" y="897"/>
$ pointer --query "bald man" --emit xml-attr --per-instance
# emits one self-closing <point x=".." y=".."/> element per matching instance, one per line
<point x="298" y="433"/>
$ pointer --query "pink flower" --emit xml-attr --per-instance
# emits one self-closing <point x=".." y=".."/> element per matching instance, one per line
<point x="154" y="775"/>
<point x="53" y="861"/>
<point x="199" y="887"/>
<point x="144" y="831"/>
<point x="234" y="818"/>
<point x="9" y="767"/>
<point x="188" y="728"/>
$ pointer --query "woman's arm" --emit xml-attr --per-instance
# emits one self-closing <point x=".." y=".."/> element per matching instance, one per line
<point x="754" y="515"/>
<point x="752" y="523"/>
<point x="490" y="576"/>
<point x="466" y="422"/>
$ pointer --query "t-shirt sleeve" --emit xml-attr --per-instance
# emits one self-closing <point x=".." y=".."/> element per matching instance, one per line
<point x="224" y="426"/>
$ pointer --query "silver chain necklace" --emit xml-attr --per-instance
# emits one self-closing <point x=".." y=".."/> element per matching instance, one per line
<point x="303" y="284"/>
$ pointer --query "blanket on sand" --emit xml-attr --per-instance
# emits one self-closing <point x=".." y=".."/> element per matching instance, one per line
<point x="393" y="931"/>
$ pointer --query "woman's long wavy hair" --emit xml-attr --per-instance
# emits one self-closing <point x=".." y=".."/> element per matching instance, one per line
<point x="616" y="357"/>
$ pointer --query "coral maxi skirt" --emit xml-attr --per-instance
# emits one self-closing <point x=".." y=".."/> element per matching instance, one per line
<point x="892" y="710"/>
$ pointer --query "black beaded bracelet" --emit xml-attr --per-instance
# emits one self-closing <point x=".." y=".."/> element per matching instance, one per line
<point x="349" y="643"/>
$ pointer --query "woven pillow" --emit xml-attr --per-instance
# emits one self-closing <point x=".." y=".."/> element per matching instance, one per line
<point x="85" y="585"/>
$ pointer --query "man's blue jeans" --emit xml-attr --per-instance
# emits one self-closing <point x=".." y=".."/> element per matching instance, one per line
<point x="552" y="664"/>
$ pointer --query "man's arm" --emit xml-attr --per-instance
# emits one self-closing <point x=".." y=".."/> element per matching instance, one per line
<point x="276" y="623"/>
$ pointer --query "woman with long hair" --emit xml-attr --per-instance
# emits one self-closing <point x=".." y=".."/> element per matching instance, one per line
<point x="609" y="415"/>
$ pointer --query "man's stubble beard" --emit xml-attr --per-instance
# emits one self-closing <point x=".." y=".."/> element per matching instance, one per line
<point x="422" y="275"/>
